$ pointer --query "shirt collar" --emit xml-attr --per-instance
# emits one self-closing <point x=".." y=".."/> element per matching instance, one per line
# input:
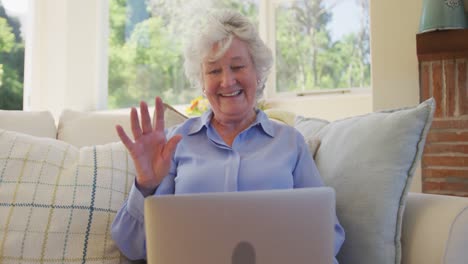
<point x="205" y="121"/>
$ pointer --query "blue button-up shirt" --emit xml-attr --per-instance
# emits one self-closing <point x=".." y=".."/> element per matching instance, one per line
<point x="267" y="155"/>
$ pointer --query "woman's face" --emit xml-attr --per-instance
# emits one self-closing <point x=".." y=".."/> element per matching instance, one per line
<point x="230" y="83"/>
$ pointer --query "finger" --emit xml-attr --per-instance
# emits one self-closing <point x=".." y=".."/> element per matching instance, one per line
<point x="171" y="146"/>
<point x="135" y="123"/>
<point x="123" y="137"/>
<point x="159" y="114"/>
<point x="145" y="118"/>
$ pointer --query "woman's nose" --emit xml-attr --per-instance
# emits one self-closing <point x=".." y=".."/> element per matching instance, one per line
<point x="229" y="78"/>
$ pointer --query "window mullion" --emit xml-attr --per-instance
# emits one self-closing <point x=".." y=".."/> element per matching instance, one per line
<point x="267" y="32"/>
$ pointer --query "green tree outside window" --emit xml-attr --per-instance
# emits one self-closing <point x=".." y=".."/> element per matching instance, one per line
<point x="11" y="63"/>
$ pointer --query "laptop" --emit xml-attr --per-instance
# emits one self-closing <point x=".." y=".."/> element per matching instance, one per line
<point x="250" y="227"/>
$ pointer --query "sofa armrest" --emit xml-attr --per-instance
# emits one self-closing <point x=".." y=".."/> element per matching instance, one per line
<point x="435" y="229"/>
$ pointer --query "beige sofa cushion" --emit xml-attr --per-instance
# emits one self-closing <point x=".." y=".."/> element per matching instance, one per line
<point x="36" y="123"/>
<point x="98" y="127"/>
<point x="435" y="229"/>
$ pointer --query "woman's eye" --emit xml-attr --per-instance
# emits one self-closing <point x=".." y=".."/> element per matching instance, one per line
<point x="215" y="71"/>
<point x="235" y="68"/>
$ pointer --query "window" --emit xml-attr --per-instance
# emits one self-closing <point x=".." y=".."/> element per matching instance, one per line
<point x="318" y="44"/>
<point x="321" y="45"/>
<point x="12" y="31"/>
<point x="145" y="48"/>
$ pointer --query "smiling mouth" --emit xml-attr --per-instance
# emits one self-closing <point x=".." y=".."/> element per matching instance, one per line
<point x="235" y="93"/>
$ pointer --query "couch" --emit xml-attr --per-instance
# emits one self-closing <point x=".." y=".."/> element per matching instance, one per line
<point x="62" y="181"/>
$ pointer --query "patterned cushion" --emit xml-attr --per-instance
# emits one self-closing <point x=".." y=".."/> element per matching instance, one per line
<point x="57" y="202"/>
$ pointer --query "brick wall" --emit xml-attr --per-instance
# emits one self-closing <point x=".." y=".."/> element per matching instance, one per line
<point x="445" y="157"/>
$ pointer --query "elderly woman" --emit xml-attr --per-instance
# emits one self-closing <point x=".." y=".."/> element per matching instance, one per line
<point x="232" y="147"/>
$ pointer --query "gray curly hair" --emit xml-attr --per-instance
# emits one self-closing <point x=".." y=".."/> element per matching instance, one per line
<point x="220" y="27"/>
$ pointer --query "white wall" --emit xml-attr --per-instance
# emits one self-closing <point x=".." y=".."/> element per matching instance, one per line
<point x="395" y="76"/>
<point x="394" y="25"/>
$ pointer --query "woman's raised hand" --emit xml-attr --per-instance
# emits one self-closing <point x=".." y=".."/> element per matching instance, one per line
<point x="150" y="150"/>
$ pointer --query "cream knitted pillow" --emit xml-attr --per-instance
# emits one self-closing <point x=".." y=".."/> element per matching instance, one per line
<point x="57" y="202"/>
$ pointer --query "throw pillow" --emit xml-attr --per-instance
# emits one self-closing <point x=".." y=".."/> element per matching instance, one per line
<point x="57" y="202"/>
<point x="284" y="116"/>
<point x="313" y="144"/>
<point x="289" y="118"/>
<point x="369" y="160"/>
